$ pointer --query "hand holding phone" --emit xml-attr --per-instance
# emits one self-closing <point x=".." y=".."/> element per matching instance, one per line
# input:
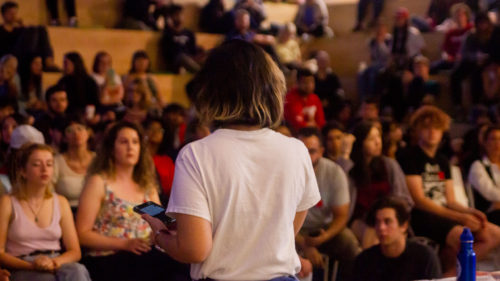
<point x="157" y="211"/>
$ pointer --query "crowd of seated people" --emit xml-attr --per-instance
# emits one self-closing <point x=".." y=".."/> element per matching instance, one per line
<point x="107" y="141"/>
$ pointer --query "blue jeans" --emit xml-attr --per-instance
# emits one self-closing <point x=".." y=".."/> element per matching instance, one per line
<point x="68" y="272"/>
<point x="378" y="5"/>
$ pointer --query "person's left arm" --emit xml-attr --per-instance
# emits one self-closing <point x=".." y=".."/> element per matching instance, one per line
<point x="454" y="205"/>
<point x="339" y="222"/>
<point x="190" y="243"/>
<point x="69" y="236"/>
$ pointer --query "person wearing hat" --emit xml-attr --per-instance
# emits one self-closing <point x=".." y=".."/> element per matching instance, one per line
<point x="21" y="135"/>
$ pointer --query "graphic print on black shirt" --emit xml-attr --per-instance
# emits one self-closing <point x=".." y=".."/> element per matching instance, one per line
<point x="434" y="171"/>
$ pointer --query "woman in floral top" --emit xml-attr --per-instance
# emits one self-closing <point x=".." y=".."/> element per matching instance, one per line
<point x="118" y="240"/>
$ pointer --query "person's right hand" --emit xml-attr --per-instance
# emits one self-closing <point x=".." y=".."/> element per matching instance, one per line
<point x="471" y="222"/>
<point x="43" y="263"/>
<point x="305" y="267"/>
<point x="137" y="246"/>
<point x="312" y="254"/>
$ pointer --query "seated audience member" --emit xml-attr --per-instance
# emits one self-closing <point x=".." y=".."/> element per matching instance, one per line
<point x="338" y="145"/>
<point x="312" y="18"/>
<point x="140" y="68"/>
<point x="34" y="220"/>
<point x="392" y="139"/>
<point x="31" y="96"/>
<point x="109" y="83"/>
<point x="57" y="106"/>
<point x="214" y="18"/>
<point x="437" y="15"/>
<point x="195" y="130"/>
<point x="484" y="176"/>
<point x="327" y="85"/>
<point x="374" y="176"/>
<point x="10" y="83"/>
<point x="242" y="30"/>
<point x="118" y="240"/>
<point x="136" y="15"/>
<point x="380" y="58"/>
<point x="378" y="6"/>
<point x="396" y="257"/>
<point x="490" y="83"/>
<point x="20" y="135"/>
<point x="255" y="9"/>
<point x="303" y="108"/>
<point x="480" y="46"/>
<point x="138" y="102"/>
<point x="8" y="125"/>
<point x="178" y="44"/>
<point x="74" y="159"/>
<point x="164" y="165"/>
<point x="325" y="227"/>
<point x="82" y="91"/>
<point x="287" y="47"/>
<point x="407" y="40"/>
<point x="454" y="38"/>
<point x="24" y="41"/>
<point x="69" y="6"/>
<point x="437" y="214"/>
<point x="174" y="123"/>
<point x="369" y="110"/>
<point x="421" y="89"/>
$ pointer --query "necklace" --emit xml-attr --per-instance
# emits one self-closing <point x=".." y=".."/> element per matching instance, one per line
<point x="33" y="211"/>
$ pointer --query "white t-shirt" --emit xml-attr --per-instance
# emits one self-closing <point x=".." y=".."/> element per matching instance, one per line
<point x="249" y="185"/>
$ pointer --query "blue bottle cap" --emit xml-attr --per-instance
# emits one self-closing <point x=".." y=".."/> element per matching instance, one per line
<point x="466" y="235"/>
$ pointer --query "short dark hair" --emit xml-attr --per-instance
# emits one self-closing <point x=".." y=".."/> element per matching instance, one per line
<point x="481" y="17"/>
<point x="52" y="90"/>
<point x="174" y="108"/>
<point x="307" y="132"/>
<point x="139" y="54"/>
<point x="8" y="5"/>
<point x="332" y="125"/>
<point x="303" y="72"/>
<point x="399" y="206"/>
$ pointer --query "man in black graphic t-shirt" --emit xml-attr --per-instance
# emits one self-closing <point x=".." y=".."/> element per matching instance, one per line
<point x="436" y="214"/>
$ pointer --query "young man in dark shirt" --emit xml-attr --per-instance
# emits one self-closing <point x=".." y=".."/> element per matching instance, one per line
<point x="395" y="258"/>
<point x="437" y="214"/>
<point x="179" y="44"/>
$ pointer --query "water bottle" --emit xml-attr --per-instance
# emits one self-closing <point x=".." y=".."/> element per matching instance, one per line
<point x="466" y="265"/>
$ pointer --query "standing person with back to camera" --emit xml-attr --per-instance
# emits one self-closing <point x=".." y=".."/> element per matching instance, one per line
<point x="241" y="194"/>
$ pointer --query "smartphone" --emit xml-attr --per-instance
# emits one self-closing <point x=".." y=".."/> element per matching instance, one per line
<point x="157" y="211"/>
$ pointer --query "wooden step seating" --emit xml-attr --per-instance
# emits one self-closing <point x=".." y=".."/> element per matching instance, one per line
<point x="121" y="44"/>
<point x="107" y="13"/>
<point x="170" y="86"/>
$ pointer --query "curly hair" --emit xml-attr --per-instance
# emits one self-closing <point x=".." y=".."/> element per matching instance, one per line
<point x="104" y="162"/>
<point x="429" y="116"/>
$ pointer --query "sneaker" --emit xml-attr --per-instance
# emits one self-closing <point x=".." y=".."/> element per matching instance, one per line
<point x="54" y="22"/>
<point x="73" y="22"/>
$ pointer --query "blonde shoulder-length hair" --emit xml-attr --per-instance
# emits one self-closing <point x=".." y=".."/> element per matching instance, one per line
<point x="21" y="160"/>
<point x="239" y="84"/>
<point x="104" y="162"/>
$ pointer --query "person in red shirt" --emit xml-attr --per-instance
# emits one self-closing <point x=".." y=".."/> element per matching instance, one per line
<point x="454" y="38"/>
<point x="303" y="108"/>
